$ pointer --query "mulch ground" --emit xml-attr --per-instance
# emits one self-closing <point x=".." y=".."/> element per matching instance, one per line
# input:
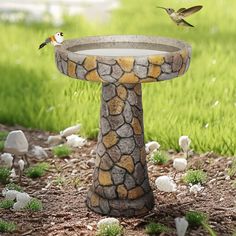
<point x="63" y="191"/>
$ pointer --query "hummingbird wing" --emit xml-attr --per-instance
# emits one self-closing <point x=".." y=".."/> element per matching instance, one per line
<point x="190" y="11"/>
<point x="180" y="10"/>
<point x="184" y="23"/>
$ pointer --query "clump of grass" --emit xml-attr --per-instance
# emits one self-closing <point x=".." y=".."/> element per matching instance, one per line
<point x="37" y="170"/>
<point x="7" y="227"/>
<point x="13" y="186"/>
<point x="156" y="228"/>
<point x="232" y="169"/>
<point x="195" y="177"/>
<point x="34" y="205"/>
<point x="61" y="151"/>
<point x="110" y="230"/>
<point x="6" y="204"/>
<point x="4" y="175"/>
<point x="195" y="218"/>
<point x="159" y="157"/>
<point x="3" y="135"/>
<point x="1" y="146"/>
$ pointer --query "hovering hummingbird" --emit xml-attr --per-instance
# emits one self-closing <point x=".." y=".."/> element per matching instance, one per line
<point x="56" y="39"/>
<point x="178" y="16"/>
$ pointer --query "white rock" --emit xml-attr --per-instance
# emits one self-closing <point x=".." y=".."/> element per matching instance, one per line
<point x="181" y="226"/>
<point x="93" y="153"/>
<point x="7" y="158"/>
<point x="75" y="141"/>
<point x="107" y="221"/>
<point x="54" y="140"/>
<point x="165" y="184"/>
<point x="70" y="130"/>
<point x="21" y="164"/>
<point x="10" y="194"/>
<point x="180" y="164"/>
<point x="184" y="143"/>
<point x="195" y="188"/>
<point x="39" y="152"/>
<point x="13" y="173"/>
<point x="152" y="146"/>
<point x="16" y="143"/>
<point x="23" y="197"/>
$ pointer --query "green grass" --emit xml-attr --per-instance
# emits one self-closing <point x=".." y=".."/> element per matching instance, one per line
<point x="195" y="177"/>
<point x="156" y="228"/>
<point x="4" y="175"/>
<point x="37" y="170"/>
<point x="13" y="186"/>
<point x="6" y="204"/>
<point x="61" y="151"/>
<point x="34" y="205"/>
<point x="6" y="226"/>
<point x="1" y="146"/>
<point x="3" y="135"/>
<point x="196" y="218"/>
<point x="183" y="106"/>
<point x="159" y="158"/>
<point x="110" y="230"/>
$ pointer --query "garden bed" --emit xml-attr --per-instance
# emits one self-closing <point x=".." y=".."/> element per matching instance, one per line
<point x="63" y="191"/>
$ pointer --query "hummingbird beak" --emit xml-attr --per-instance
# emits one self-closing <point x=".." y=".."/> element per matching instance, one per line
<point x="161" y="7"/>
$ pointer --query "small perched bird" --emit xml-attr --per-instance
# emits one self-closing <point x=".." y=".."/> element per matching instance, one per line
<point x="178" y="16"/>
<point x="56" y="39"/>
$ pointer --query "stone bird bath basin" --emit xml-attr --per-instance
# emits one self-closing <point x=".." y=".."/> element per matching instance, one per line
<point x="122" y="63"/>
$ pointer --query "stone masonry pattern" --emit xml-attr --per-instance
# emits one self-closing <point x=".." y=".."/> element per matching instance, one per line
<point x="124" y="69"/>
<point x="120" y="181"/>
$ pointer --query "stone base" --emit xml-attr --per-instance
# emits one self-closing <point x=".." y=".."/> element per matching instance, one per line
<point x="120" y="207"/>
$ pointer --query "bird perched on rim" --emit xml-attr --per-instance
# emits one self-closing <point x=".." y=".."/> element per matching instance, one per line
<point x="56" y="39"/>
<point x="178" y="16"/>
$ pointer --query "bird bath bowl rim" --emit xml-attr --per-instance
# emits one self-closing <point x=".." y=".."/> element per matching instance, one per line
<point x="173" y="62"/>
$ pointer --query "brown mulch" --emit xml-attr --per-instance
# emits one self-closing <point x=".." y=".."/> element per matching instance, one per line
<point x="63" y="191"/>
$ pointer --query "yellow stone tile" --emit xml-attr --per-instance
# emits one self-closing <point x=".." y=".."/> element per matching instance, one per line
<point x="122" y="92"/>
<point x="157" y="60"/>
<point x="126" y="63"/>
<point x="143" y="156"/>
<point x="90" y="63"/>
<point x="110" y="139"/>
<point x="182" y="69"/>
<point x="129" y="78"/>
<point x="93" y="76"/>
<point x="115" y="106"/>
<point x="94" y="200"/>
<point x="135" y="193"/>
<point x="184" y="54"/>
<point x="104" y="178"/>
<point x="154" y="71"/>
<point x="137" y="89"/>
<point x="148" y="80"/>
<point x="136" y="126"/>
<point x="71" y="66"/>
<point x="127" y="163"/>
<point x="122" y="191"/>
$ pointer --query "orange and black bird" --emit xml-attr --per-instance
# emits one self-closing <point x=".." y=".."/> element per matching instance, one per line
<point x="56" y="39"/>
<point x="178" y="16"/>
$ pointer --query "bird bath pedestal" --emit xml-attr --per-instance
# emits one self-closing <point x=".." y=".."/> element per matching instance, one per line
<point x="120" y="184"/>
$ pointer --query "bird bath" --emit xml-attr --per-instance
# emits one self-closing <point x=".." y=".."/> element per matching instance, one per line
<point x="120" y="184"/>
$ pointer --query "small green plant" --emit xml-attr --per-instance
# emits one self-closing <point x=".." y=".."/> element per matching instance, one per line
<point x="34" y="205"/>
<point x="6" y="204"/>
<point x="6" y="226"/>
<point x="232" y="169"/>
<point x="37" y="170"/>
<point x="110" y="230"/>
<point x="195" y="177"/>
<point x="4" y="175"/>
<point x="195" y="218"/>
<point x="13" y="186"/>
<point x="61" y="151"/>
<point x="1" y="146"/>
<point x="156" y="228"/>
<point x="160" y="158"/>
<point x="3" y="135"/>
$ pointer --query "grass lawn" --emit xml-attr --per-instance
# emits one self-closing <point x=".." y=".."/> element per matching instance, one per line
<point x="202" y="104"/>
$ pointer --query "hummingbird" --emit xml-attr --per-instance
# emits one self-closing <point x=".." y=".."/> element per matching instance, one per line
<point x="56" y="39"/>
<point x="178" y="16"/>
